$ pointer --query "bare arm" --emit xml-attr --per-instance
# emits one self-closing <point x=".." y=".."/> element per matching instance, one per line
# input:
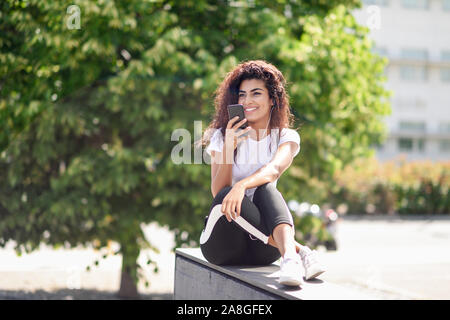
<point x="274" y="169"/>
<point x="221" y="170"/>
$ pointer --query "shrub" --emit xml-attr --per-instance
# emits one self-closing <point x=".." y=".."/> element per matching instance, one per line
<point x="370" y="186"/>
<point x="311" y="231"/>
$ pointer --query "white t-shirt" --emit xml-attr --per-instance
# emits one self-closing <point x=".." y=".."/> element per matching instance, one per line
<point x="253" y="154"/>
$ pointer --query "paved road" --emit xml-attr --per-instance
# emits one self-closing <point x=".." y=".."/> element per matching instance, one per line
<point x="395" y="258"/>
<point x="391" y="258"/>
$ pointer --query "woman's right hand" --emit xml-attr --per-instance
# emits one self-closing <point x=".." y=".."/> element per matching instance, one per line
<point x="233" y="136"/>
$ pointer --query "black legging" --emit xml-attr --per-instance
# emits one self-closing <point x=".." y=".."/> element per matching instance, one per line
<point x="229" y="244"/>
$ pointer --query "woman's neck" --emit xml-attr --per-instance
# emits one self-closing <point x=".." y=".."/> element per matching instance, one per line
<point x="259" y="129"/>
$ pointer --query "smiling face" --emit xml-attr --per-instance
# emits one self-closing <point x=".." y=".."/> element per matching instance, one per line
<point x="254" y="96"/>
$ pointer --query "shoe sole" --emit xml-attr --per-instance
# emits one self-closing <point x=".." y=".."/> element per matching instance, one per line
<point x="315" y="275"/>
<point x="292" y="282"/>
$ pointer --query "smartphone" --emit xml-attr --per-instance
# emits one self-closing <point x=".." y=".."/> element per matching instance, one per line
<point x="237" y="110"/>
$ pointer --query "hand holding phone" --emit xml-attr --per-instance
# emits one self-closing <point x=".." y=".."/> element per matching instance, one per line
<point x="237" y="128"/>
<point x="237" y="110"/>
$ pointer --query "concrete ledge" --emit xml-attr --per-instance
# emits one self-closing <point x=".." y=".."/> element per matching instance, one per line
<point x="197" y="279"/>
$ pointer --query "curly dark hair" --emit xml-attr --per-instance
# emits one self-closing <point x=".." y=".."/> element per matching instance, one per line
<point x="228" y="91"/>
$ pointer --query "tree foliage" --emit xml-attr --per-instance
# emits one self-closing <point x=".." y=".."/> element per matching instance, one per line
<point x="87" y="114"/>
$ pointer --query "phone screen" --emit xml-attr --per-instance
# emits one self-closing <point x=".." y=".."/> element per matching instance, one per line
<point x="237" y="110"/>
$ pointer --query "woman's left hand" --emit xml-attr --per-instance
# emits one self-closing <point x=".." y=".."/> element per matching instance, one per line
<point x="231" y="204"/>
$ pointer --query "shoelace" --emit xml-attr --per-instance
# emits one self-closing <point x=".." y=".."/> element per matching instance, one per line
<point x="309" y="259"/>
<point x="285" y="261"/>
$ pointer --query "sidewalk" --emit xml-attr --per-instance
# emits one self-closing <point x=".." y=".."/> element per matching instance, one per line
<point x="392" y="258"/>
<point x="396" y="257"/>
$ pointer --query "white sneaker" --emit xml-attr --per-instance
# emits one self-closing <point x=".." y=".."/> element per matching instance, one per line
<point x="291" y="272"/>
<point x="313" y="268"/>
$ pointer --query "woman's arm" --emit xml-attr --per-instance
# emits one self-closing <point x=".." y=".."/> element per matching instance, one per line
<point x="231" y="204"/>
<point x="222" y="162"/>
<point x="274" y="169"/>
<point x="221" y="170"/>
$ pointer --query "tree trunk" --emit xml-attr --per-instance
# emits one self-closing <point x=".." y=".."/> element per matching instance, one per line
<point x="128" y="289"/>
<point x="128" y="279"/>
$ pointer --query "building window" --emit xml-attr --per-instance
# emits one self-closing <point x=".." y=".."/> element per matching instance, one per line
<point x="446" y="5"/>
<point x="445" y="74"/>
<point x="414" y="54"/>
<point x="444" y="127"/>
<point x="415" y="4"/>
<point x="444" y="145"/>
<point x="411" y="145"/>
<point x="414" y="71"/>
<point x="405" y="144"/>
<point x="421" y="145"/>
<point x="412" y="126"/>
<point x="445" y="56"/>
<point x="383" y="3"/>
<point x="445" y="71"/>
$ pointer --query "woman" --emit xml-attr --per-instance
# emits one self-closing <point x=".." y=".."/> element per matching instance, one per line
<point x="245" y="167"/>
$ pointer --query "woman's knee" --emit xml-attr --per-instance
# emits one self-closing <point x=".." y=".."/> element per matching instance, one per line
<point x="265" y="189"/>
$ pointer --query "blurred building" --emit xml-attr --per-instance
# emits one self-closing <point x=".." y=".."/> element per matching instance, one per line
<point x="415" y="36"/>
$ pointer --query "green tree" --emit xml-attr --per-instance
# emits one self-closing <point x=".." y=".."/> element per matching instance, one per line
<point x="87" y="115"/>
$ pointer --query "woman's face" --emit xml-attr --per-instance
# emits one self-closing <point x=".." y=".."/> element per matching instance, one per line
<point x="254" y="96"/>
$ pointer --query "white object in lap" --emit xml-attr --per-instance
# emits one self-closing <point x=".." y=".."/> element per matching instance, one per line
<point x="215" y="215"/>
<point x="251" y="229"/>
